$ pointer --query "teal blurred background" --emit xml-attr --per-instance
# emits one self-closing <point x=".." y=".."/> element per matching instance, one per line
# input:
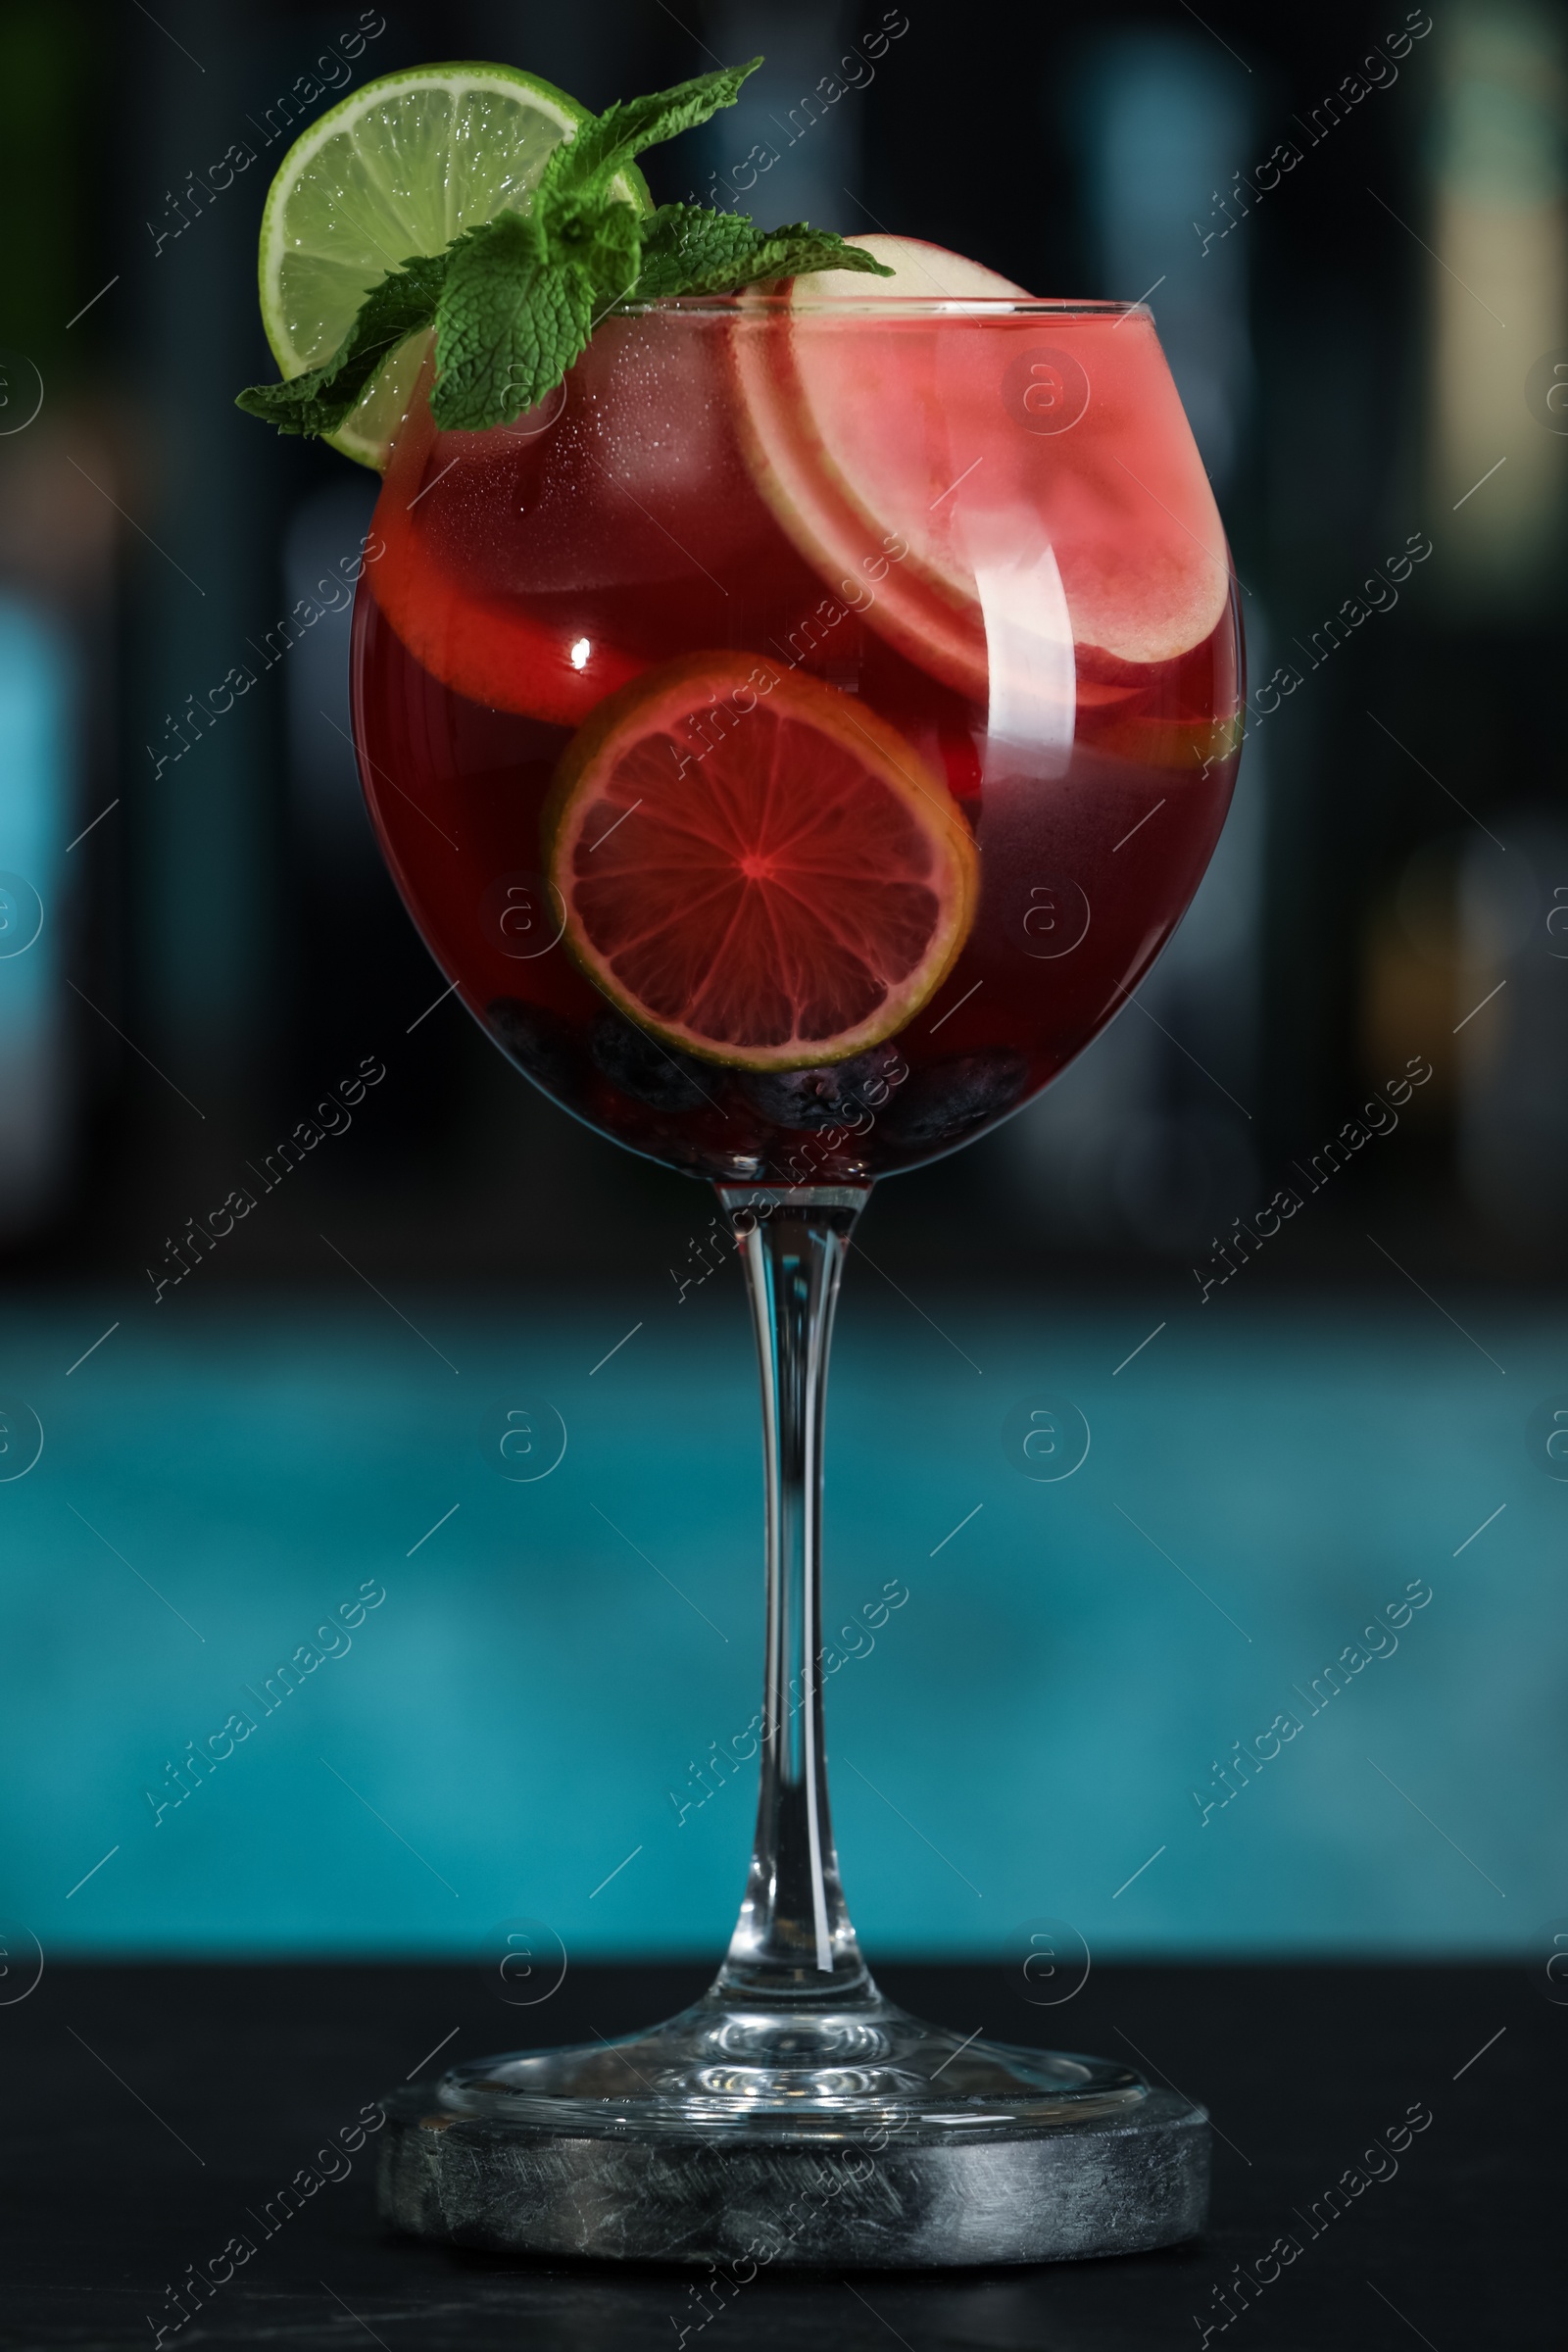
<point x="1371" y="344"/>
<point x="530" y="1705"/>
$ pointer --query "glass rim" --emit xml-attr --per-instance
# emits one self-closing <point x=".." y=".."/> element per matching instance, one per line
<point x="883" y="305"/>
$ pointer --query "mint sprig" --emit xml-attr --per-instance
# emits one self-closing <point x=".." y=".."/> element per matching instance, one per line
<point x="319" y="401"/>
<point x="689" y="250"/>
<point x="511" y="317"/>
<point x="626" y="129"/>
<point x="515" y="301"/>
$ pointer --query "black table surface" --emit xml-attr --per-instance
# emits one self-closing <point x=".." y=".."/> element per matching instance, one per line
<point x="152" y="2113"/>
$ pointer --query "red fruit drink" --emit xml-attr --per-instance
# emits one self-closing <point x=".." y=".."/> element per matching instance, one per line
<point x="797" y="738"/>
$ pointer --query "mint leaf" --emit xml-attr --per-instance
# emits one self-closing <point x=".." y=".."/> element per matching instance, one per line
<point x="602" y="149"/>
<point x="513" y="317"/>
<point x="515" y="301"/>
<point x="319" y="401"/>
<point x="687" y="250"/>
<point x="800" y="250"/>
<point x="593" y="231"/>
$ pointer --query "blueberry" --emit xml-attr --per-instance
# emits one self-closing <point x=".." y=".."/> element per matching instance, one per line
<point x="538" y="1041"/>
<point x="835" y="1095"/>
<point x="645" y="1069"/>
<point x="948" y="1098"/>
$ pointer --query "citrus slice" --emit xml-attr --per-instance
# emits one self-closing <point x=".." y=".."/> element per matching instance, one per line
<point x="394" y="170"/>
<point x="1058" y="435"/>
<point x="755" y="867"/>
<point x="490" y="648"/>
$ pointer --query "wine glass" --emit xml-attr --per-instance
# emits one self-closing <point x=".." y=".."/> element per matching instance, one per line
<point x="794" y="740"/>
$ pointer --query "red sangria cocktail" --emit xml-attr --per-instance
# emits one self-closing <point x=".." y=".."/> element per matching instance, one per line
<point x="797" y="690"/>
<point x="796" y="736"/>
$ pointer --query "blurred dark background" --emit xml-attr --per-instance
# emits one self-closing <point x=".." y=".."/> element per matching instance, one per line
<point x="1362" y="335"/>
<point x="1352" y="229"/>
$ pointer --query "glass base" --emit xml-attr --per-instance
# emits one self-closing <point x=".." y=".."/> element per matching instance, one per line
<point x="793" y="2116"/>
<point x="756" y="2132"/>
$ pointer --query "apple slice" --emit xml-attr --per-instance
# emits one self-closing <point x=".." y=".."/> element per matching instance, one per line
<point x="918" y="270"/>
<point x="986" y="452"/>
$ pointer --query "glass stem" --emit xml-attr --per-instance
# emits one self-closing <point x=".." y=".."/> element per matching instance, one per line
<point x="793" y="1937"/>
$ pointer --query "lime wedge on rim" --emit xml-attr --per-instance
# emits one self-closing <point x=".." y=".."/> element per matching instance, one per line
<point x="398" y="168"/>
